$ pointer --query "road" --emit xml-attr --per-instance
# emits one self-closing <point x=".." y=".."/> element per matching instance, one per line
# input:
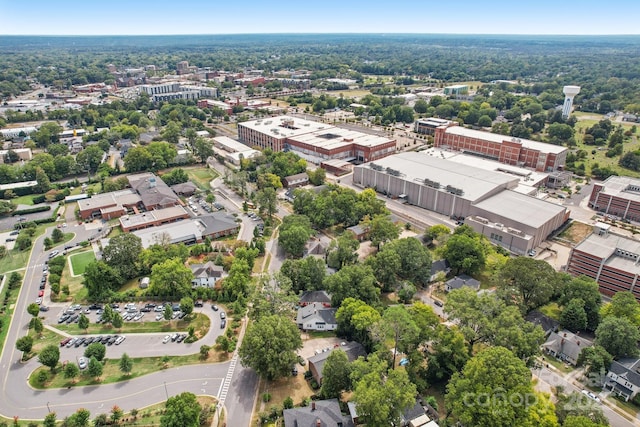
<point x="19" y="399"/>
<point x="549" y="378"/>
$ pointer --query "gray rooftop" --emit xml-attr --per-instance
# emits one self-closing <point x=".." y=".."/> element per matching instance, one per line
<point x="494" y="137"/>
<point x="176" y="232"/>
<point x="521" y="208"/>
<point x="165" y="214"/>
<point x="622" y="186"/>
<point x="337" y="137"/>
<point x="217" y="222"/>
<point x="272" y="126"/>
<point x="475" y="182"/>
<point x="114" y="198"/>
<point x="628" y="368"/>
<point x="326" y="412"/>
<point x="614" y="248"/>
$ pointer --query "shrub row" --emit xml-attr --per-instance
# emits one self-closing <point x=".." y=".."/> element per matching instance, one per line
<point x="31" y="210"/>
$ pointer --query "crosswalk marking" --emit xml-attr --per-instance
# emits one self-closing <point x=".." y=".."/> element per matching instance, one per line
<point x="222" y="395"/>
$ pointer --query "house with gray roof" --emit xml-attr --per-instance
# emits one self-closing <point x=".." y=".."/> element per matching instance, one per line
<point x="296" y="180"/>
<point x="439" y="266"/>
<point x="320" y="413"/>
<point x="566" y="346"/>
<point x="185" y="188"/>
<point x="312" y="297"/>
<point x="461" y="281"/>
<point x="316" y="362"/>
<point x="218" y="224"/>
<point x="623" y="378"/>
<point x="360" y="232"/>
<point x="206" y="275"/>
<point x="316" y="317"/>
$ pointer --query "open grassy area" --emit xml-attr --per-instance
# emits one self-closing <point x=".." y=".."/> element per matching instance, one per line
<point x="201" y="176"/>
<point x="586" y="120"/>
<point x="24" y="200"/>
<point x="47" y="337"/>
<point x="200" y="322"/>
<point x="14" y="260"/>
<point x="6" y="312"/>
<point x="80" y="261"/>
<point x="295" y="387"/>
<point x="111" y="370"/>
<point x="66" y="237"/>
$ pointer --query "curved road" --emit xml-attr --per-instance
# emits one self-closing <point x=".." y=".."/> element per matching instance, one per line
<point x="233" y="384"/>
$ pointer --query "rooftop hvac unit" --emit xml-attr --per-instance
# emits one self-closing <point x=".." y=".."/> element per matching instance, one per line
<point x="482" y="220"/>
<point x="515" y="231"/>
<point x="499" y="224"/>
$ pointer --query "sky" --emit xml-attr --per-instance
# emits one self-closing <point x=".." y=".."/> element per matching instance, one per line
<point x="155" y="17"/>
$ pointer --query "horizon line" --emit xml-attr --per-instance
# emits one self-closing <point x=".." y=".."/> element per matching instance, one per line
<point x="326" y="33"/>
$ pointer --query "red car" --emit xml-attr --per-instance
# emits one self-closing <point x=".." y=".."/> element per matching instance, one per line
<point x="64" y="341"/>
<point x="41" y="293"/>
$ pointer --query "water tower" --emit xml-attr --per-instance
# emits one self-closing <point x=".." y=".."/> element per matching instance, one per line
<point x="569" y="93"/>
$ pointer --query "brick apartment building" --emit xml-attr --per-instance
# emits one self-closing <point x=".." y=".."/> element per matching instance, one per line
<point x="619" y="196"/>
<point x="609" y="259"/>
<point x="505" y="149"/>
<point x="316" y="142"/>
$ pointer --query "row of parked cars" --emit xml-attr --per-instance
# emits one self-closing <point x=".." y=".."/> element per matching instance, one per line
<point x="174" y="338"/>
<point x="85" y="341"/>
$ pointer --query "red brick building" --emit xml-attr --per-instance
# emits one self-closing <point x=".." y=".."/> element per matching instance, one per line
<point x="505" y="149"/>
<point x="618" y="196"/>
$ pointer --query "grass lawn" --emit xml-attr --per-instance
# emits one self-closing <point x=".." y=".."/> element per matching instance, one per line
<point x="200" y="322"/>
<point x="66" y="237"/>
<point x="111" y="370"/>
<point x="586" y="120"/>
<point x="14" y="260"/>
<point x="47" y="337"/>
<point x="80" y="261"/>
<point x="202" y="176"/>
<point x="558" y="364"/>
<point x="5" y="314"/>
<point x="25" y="200"/>
<point x="295" y="387"/>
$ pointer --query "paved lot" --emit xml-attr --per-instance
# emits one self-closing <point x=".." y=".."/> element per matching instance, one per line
<point x="9" y="222"/>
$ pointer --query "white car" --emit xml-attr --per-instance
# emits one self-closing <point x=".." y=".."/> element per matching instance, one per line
<point x="39" y="300"/>
<point x="166" y="339"/>
<point x="159" y="317"/>
<point x="591" y="396"/>
<point x="120" y="339"/>
<point x="83" y="362"/>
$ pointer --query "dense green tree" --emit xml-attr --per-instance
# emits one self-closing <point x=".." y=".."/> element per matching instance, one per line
<point x="295" y="231"/>
<point x="158" y="253"/>
<point x="355" y="318"/>
<point x="343" y="251"/>
<point x="162" y="154"/>
<point x="270" y="346"/>
<point x="50" y="420"/>
<point x="465" y="254"/>
<point x="618" y="336"/>
<point x="48" y="133"/>
<point x="581" y="421"/>
<point x="80" y="418"/>
<point x="267" y="201"/>
<point x="623" y="304"/>
<point x="167" y="312"/>
<point x="83" y="322"/>
<point x="577" y="405"/>
<point x="306" y="274"/>
<point x="122" y="253"/>
<point x="186" y="305"/>
<point x="33" y="309"/>
<point x="381" y="396"/>
<point x="382" y="230"/>
<point x="236" y="284"/>
<point x="95" y="368"/>
<point x="448" y="355"/>
<point x="101" y="280"/>
<point x="116" y="320"/>
<point x="527" y="282"/>
<point x="182" y="410"/>
<point x="202" y="149"/>
<point x="89" y="159"/>
<point x="175" y="176"/>
<point x="138" y="159"/>
<point x="97" y="350"/>
<point x="355" y="281"/>
<point x="574" y="316"/>
<point x="71" y="371"/>
<point x="126" y="364"/>
<point x="469" y="393"/>
<point x="57" y="235"/>
<point x="335" y="375"/>
<point x="170" y="278"/>
<point x="25" y="344"/>
<point x="585" y="289"/>
<point x="596" y="361"/>
<point x="49" y="356"/>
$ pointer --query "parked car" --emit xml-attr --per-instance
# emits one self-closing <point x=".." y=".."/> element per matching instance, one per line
<point x="44" y="308"/>
<point x="120" y="339"/>
<point x="181" y="337"/>
<point x="53" y="254"/>
<point x="83" y="362"/>
<point x="166" y="339"/>
<point x="65" y="341"/>
<point x="71" y="342"/>
<point x="174" y="337"/>
<point x="198" y="303"/>
<point x="159" y="317"/>
<point x="214" y="307"/>
<point x="223" y="323"/>
<point x="223" y="315"/>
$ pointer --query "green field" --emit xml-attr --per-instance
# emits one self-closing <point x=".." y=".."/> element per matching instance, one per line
<point x="80" y="261"/>
<point x="202" y="176"/>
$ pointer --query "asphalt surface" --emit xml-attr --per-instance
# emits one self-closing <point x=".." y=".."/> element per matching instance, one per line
<point x="17" y="398"/>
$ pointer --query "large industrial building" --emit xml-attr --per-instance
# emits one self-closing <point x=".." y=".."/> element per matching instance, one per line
<point x="609" y="259"/>
<point x="176" y="90"/>
<point x="316" y="142"/>
<point x="505" y="149"/>
<point x="619" y="196"/>
<point x="486" y="199"/>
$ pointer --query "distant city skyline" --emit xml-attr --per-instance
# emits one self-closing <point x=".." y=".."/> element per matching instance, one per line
<point x="161" y="17"/>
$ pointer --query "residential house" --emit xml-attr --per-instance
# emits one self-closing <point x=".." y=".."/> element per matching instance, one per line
<point x="547" y="324"/>
<point x="439" y="266"/>
<point x="316" y="317"/>
<point x="321" y="413"/>
<point x="206" y="274"/>
<point x="360" y="232"/>
<point x="417" y="416"/>
<point x="461" y="281"/>
<point x="566" y="346"/>
<point x="218" y="224"/>
<point x="313" y="297"/>
<point x="316" y="362"/>
<point x="623" y="378"/>
<point x="297" y="180"/>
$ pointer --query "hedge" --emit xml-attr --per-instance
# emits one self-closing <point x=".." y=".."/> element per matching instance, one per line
<point x="31" y="210"/>
<point x="34" y="222"/>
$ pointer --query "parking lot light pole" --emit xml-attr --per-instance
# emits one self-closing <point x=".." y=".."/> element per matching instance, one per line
<point x="165" y="390"/>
